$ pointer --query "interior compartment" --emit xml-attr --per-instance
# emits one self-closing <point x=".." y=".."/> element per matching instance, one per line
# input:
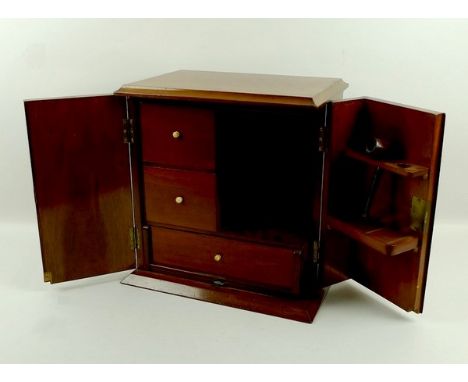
<point x="269" y="172"/>
<point x="227" y="261"/>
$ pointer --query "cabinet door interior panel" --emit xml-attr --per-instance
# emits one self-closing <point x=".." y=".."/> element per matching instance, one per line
<point x="82" y="188"/>
<point x="382" y="196"/>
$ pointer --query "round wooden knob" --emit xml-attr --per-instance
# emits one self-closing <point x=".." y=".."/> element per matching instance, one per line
<point x="217" y="257"/>
<point x="176" y="134"/>
<point x="179" y="199"/>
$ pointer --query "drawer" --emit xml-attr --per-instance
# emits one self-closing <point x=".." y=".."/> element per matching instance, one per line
<point x="181" y="197"/>
<point x="174" y="136"/>
<point x="251" y="263"/>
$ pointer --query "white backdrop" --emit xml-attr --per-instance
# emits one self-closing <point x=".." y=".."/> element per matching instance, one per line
<point x="420" y="63"/>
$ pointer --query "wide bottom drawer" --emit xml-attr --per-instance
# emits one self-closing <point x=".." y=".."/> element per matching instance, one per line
<point x="255" y="264"/>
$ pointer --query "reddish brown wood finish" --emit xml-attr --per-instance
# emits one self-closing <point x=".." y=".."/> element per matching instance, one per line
<point x="400" y="279"/>
<point x="400" y="168"/>
<point x="260" y="265"/>
<point x="81" y="183"/>
<point x="197" y="190"/>
<point x="302" y="309"/>
<point x="382" y="240"/>
<point x="193" y="146"/>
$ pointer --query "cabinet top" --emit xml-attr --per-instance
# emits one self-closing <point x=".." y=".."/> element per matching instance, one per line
<point x="238" y="87"/>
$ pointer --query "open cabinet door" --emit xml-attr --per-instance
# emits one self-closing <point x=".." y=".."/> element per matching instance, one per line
<point x="381" y="185"/>
<point x="82" y="185"/>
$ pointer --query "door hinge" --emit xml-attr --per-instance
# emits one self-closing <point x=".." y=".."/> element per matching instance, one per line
<point x="316" y="259"/>
<point x="419" y="213"/>
<point x="315" y="252"/>
<point x="134" y="238"/>
<point x="128" y="131"/>
<point x="322" y="140"/>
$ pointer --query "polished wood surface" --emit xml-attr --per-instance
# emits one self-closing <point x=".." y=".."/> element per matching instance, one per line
<point x="136" y="179"/>
<point x="397" y="167"/>
<point x="181" y="197"/>
<point x="418" y="134"/>
<point x="81" y="183"/>
<point x="178" y="136"/>
<point x="303" y="309"/>
<point x="380" y="239"/>
<point x="238" y="87"/>
<point x="228" y="260"/>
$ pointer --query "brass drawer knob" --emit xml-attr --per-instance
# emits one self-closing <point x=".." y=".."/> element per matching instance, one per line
<point x="217" y="257"/>
<point x="176" y="134"/>
<point x="179" y="199"/>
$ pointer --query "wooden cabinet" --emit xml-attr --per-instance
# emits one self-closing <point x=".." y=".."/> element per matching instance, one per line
<point x="252" y="191"/>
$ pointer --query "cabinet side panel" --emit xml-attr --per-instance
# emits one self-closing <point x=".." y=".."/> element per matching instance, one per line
<point x="81" y="185"/>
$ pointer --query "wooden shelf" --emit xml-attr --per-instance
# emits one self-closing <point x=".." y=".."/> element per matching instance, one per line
<point x="397" y="167"/>
<point x="383" y="240"/>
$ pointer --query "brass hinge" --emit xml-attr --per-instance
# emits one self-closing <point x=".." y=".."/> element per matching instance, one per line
<point x="47" y="277"/>
<point x="315" y="252"/>
<point x="128" y="131"/>
<point x="134" y="238"/>
<point x="419" y="213"/>
<point x="322" y="134"/>
<point x="322" y="140"/>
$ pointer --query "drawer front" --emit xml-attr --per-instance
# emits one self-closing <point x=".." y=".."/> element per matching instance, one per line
<point x="256" y="264"/>
<point x="176" y="136"/>
<point x="183" y="198"/>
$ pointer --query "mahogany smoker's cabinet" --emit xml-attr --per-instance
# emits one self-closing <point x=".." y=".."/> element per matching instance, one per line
<point x="252" y="191"/>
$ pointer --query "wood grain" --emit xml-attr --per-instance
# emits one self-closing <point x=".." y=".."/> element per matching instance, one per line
<point x="257" y="264"/>
<point x="198" y="208"/>
<point x="194" y="148"/>
<point x="396" y="167"/>
<point x="81" y="183"/>
<point x="418" y="133"/>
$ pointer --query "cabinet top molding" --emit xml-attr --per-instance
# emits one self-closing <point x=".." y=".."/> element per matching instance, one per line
<point x="238" y="87"/>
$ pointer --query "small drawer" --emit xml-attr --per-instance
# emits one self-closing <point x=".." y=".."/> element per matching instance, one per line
<point x="249" y="263"/>
<point x="180" y="197"/>
<point x="178" y="136"/>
